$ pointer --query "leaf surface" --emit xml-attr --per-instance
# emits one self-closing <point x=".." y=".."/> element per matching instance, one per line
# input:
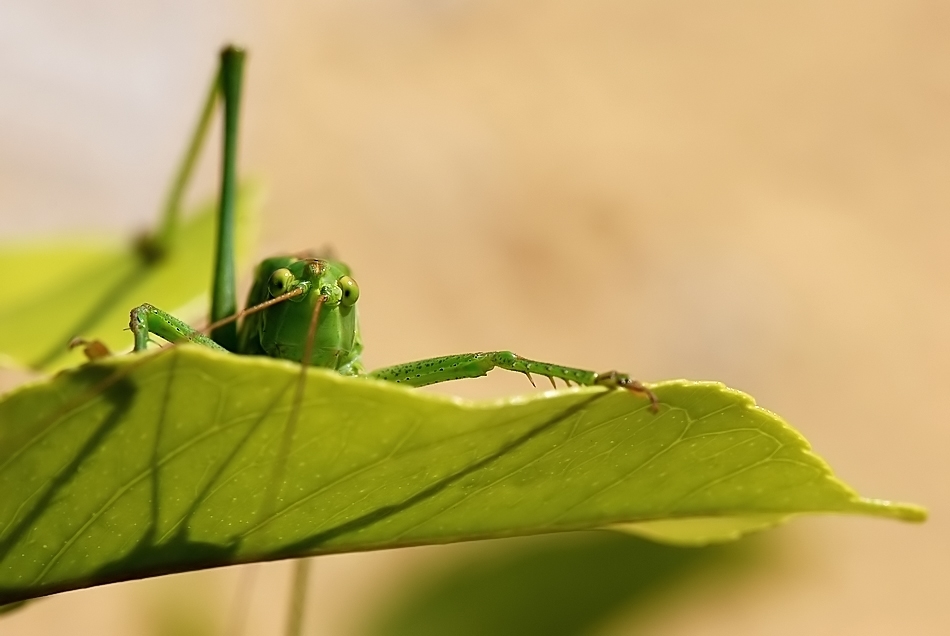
<point x="172" y="461"/>
<point x="64" y="288"/>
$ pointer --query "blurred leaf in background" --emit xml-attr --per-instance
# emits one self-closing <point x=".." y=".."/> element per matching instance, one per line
<point x="566" y="585"/>
<point x="179" y="606"/>
<point x="59" y="289"/>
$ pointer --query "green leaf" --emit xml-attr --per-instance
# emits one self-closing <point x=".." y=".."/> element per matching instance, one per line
<point x="172" y="461"/>
<point x="565" y="584"/>
<point x="65" y="288"/>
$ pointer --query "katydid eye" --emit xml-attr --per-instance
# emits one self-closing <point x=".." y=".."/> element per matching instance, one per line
<point x="351" y="291"/>
<point x="280" y="282"/>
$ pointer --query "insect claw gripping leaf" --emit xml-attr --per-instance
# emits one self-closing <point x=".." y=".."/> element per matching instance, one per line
<point x="93" y="349"/>
<point x="623" y="381"/>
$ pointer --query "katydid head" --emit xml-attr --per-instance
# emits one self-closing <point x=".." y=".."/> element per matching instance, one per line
<point x="284" y="327"/>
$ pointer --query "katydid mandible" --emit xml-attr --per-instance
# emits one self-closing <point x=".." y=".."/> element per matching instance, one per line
<point x="304" y="308"/>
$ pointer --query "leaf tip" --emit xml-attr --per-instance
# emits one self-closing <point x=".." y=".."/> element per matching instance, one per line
<point x="895" y="510"/>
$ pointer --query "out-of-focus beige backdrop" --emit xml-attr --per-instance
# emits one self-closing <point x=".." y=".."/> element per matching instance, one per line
<point x="751" y="192"/>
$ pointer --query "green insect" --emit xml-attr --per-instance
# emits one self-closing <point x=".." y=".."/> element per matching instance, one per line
<point x="304" y="308"/>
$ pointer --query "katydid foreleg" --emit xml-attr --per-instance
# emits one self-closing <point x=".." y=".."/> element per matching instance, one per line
<point x="146" y="319"/>
<point x="474" y="365"/>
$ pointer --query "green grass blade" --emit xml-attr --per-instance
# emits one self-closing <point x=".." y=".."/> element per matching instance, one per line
<point x="163" y="463"/>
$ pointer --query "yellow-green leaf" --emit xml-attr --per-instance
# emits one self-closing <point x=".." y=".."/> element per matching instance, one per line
<point x="172" y="461"/>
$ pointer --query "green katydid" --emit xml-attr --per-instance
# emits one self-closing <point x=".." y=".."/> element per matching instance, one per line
<point x="303" y="308"/>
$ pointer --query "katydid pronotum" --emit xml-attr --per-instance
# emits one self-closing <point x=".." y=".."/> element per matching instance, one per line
<point x="303" y="308"/>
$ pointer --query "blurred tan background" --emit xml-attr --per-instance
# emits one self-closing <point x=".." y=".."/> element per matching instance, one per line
<point x="750" y="192"/>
